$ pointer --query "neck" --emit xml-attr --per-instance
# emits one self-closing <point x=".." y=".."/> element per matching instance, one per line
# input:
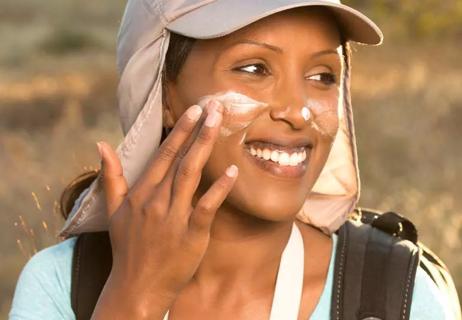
<point x="243" y="251"/>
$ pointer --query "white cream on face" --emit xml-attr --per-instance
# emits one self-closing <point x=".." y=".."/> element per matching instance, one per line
<point x="239" y="110"/>
<point x="324" y="117"/>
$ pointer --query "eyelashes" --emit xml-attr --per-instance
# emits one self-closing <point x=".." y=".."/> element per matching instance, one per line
<point x="261" y="70"/>
<point x="325" y="78"/>
<point x="258" y="69"/>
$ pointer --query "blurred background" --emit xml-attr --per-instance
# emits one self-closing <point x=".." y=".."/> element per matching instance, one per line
<point x="57" y="98"/>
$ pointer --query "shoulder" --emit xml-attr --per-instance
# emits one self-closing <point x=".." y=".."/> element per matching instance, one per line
<point x="43" y="288"/>
<point x="49" y="263"/>
<point x="428" y="301"/>
<point x="55" y="255"/>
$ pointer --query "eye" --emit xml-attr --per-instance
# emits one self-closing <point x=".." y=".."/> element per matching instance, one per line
<point x="326" y="78"/>
<point x="258" y="69"/>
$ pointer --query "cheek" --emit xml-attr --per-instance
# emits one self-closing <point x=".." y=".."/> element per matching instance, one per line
<point x="319" y="158"/>
<point x="324" y="116"/>
<point x="226" y="151"/>
<point x="239" y="110"/>
<point x="235" y="122"/>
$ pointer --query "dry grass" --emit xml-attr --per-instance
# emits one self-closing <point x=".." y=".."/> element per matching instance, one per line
<point x="409" y="117"/>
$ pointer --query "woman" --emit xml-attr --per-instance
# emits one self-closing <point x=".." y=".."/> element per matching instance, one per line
<point x="253" y="102"/>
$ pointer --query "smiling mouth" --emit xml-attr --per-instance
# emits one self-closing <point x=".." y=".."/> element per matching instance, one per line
<point x="282" y="161"/>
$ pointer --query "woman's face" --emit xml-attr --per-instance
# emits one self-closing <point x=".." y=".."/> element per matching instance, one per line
<point x="290" y="64"/>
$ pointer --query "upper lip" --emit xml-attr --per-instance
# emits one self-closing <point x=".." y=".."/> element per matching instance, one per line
<point x="284" y="142"/>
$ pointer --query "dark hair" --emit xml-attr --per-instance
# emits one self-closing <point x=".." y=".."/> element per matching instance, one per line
<point x="178" y="50"/>
<point x="177" y="53"/>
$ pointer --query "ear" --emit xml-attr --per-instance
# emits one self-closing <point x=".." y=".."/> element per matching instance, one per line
<point x="168" y="119"/>
<point x="168" y="115"/>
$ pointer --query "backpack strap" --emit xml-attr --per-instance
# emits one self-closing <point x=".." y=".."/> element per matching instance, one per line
<point x="374" y="271"/>
<point x="91" y="265"/>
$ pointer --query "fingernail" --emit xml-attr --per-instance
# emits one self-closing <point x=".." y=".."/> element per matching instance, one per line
<point x="100" y="149"/>
<point x="216" y="105"/>
<point x="194" y="113"/>
<point x="212" y="119"/>
<point x="231" y="171"/>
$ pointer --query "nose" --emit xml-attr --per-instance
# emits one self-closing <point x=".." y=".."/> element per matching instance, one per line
<point x="289" y="105"/>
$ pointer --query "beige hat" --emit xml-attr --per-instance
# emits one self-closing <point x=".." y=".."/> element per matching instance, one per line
<point x="142" y="46"/>
<point x="221" y="17"/>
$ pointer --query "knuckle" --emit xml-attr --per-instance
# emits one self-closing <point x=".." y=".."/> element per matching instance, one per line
<point x="167" y="152"/>
<point x="205" y="136"/>
<point x="152" y="208"/>
<point x="181" y="153"/>
<point x="203" y="206"/>
<point x="222" y="183"/>
<point x="133" y="201"/>
<point x="187" y="171"/>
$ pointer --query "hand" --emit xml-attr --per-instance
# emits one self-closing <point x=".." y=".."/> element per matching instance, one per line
<point x="158" y="238"/>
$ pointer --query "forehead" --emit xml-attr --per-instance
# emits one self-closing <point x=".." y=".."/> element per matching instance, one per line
<point x="306" y="26"/>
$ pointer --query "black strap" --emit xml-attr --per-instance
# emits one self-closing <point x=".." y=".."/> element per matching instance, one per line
<point x="374" y="274"/>
<point x="374" y="277"/>
<point x="349" y="256"/>
<point x="91" y="265"/>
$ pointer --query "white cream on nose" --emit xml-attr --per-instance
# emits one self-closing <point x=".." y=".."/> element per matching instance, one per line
<point x="306" y="114"/>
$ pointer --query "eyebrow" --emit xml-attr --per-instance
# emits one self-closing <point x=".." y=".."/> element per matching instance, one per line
<point x="256" y="43"/>
<point x="280" y="50"/>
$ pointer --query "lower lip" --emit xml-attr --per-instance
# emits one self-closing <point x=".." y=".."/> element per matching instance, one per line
<point x="279" y="170"/>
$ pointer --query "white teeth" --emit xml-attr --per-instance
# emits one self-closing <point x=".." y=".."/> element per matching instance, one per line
<point x="275" y="156"/>
<point x="294" y="159"/>
<point x="283" y="158"/>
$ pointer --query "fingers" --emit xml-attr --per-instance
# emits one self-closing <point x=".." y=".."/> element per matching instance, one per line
<point x="202" y="217"/>
<point x="115" y="185"/>
<point x="189" y="170"/>
<point x="169" y="149"/>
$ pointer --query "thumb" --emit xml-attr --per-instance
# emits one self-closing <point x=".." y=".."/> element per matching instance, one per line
<point x="115" y="185"/>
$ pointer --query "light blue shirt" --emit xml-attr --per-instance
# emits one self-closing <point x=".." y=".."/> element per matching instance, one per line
<point x="44" y="286"/>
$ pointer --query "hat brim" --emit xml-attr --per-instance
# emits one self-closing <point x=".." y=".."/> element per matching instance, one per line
<point x="221" y="17"/>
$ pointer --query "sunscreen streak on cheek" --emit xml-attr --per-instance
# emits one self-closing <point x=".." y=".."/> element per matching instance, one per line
<point x="239" y="110"/>
<point x="324" y="117"/>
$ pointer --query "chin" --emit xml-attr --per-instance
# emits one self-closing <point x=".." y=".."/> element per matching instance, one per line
<point x="264" y="189"/>
<point x="268" y="206"/>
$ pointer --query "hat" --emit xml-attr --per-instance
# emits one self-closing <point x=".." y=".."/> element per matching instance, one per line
<point x="142" y="46"/>
<point x="221" y="17"/>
